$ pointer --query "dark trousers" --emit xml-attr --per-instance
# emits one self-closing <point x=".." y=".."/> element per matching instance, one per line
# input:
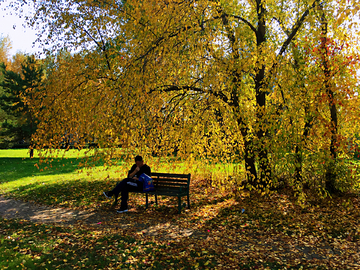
<point x="124" y="187"/>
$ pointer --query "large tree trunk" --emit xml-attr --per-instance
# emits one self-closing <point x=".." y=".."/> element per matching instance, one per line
<point x="261" y="133"/>
<point x="330" y="173"/>
<point x="249" y="156"/>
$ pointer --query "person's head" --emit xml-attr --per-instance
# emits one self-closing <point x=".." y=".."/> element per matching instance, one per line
<point x="139" y="161"/>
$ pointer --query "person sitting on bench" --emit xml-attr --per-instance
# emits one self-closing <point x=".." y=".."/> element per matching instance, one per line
<point x="131" y="183"/>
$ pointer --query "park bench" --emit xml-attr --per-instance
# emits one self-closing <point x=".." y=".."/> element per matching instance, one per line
<point x="170" y="184"/>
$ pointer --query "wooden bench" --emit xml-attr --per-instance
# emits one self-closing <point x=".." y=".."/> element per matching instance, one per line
<point x="170" y="184"/>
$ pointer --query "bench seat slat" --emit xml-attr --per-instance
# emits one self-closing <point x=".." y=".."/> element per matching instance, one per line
<point x="157" y="184"/>
<point x="163" y="192"/>
<point x="168" y="193"/>
<point x="178" y="189"/>
<point x="170" y="175"/>
<point x="171" y="188"/>
<point x="169" y="180"/>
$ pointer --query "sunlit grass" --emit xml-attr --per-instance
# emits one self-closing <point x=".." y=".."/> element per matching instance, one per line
<point x="63" y="181"/>
<point x="67" y="179"/>
<point x="24" y="153"/>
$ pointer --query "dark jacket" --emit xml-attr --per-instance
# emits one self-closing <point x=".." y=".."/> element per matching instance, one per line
<point x="144" y="169"/>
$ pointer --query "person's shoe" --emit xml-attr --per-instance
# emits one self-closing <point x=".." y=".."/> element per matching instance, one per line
<point x="122" y="210"/>
<point x="107" y="194"/>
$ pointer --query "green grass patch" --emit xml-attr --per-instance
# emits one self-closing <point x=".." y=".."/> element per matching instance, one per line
<point x="61" y="181"/>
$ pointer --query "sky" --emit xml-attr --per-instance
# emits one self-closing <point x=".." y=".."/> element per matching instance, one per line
<point x="22" y="38"/>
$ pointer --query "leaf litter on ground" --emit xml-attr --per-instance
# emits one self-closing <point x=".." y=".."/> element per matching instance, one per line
<point x="218" y="231"/>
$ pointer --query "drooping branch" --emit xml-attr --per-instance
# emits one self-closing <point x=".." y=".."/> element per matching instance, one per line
<point x="245" y="21"/>
<point x="175" y="88"/>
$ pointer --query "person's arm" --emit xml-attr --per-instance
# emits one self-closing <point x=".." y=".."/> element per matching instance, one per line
<point x="144" y="169"/>
<point x="133" y="171"/>
<point x="131" y="175"/>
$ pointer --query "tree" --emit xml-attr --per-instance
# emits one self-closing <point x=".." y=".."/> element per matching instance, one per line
<point x="5" y="47"/>
<point x="18" y="88"/>
<point x="12" y="64"/>
<point x="201" y="78"/>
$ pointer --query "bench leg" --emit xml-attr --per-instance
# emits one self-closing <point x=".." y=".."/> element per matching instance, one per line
<point x="188" y="200"/>
<point x="115" y="201"/>
<point x="179" y="206"/>
<point x="147" y="201"/>
<point x="156" y="199"/>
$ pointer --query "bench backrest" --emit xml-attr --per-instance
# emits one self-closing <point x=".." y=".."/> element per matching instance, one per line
<point x="171" y="180"/>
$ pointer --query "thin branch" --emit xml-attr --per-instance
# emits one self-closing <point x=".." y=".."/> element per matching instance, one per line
<point x="296" y="28"/>
<point x="291" y="36"/>
<point x="172" y="88"/>
<point x="91" y="37"/>
<point x="282" y="26"/>
<point x="245" y="21"/>
<point x="103" y="48"/>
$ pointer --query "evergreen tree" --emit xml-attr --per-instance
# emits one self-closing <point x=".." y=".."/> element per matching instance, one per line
<point x="17" y="91"/>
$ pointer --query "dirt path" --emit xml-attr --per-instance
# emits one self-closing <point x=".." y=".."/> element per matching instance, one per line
<point x="11" y="208"/>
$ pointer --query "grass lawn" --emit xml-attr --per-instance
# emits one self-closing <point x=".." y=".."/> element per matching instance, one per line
<point x="28" y="179"/>
<point x="249" y="232"/>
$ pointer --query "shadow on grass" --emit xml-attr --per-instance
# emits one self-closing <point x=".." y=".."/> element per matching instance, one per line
<point x="13" y="169"/>
<point x="80" y="193"/>
<point x="50" y="245"/>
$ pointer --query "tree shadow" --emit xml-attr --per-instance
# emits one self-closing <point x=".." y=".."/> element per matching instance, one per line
<point x="72" y="194"/>
<point x="13" y="169"/>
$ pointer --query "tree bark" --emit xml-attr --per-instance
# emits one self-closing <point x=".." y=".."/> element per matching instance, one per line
<point x="330" y="171"/>
<point x="298" y="149"/>
<point x="263" y="159"/>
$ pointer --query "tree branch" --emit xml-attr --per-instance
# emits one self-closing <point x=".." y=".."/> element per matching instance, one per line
<point x="103" y="48"/>
<point x="172" y="88"/>
<point x="296" y="28"/>
<point x="291" y="36"/>
<point x="245" y="21"/>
